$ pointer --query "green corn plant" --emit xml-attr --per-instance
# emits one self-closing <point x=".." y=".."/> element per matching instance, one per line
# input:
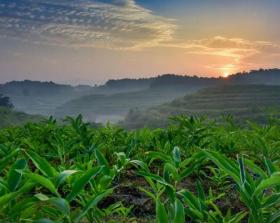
<point x="202" y="208"/>
<point x="118" y="209"/>
<point x="55" y="191"/>
<point x="73" y="172"/>
<point x="191" y="133"/>
<point x="198" y="208"/>
<point x="217" y="176"/>
<point x="258" y="190"/>
<point x="172" y="209"/>
<point x="123" y="162"/>
<point x="174" y="171"/>
<point x="84" y="135"/>
<point x="7" y="159"/>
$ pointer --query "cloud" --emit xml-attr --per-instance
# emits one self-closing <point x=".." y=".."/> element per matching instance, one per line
<point x="234" y="54"/>
<point x="121" y="24"/>
<point x="114" y="24"/>
<point x="219" y="45"/>
<point x="123" y="2"/>
<point x="220" y="42"/>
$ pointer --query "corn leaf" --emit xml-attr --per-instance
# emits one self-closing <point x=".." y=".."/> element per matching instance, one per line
<point x="82" y="181"/>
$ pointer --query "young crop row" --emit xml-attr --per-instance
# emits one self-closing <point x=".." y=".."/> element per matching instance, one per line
<point x="193" y="171"/>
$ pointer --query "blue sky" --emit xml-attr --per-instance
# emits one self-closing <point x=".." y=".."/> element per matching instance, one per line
<point x="90" y="41"/>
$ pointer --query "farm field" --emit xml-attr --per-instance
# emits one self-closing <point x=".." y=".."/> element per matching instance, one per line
<point x="194" y="170"/>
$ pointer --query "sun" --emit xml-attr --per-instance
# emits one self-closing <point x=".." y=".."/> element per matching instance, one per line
<point x="226" y="74"/>
<point x="227" y="70"/>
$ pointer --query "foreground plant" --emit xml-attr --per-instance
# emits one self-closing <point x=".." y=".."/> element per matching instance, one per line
<point x="258" y="189"/>
<point x="48" y="194"/>
<point x="74" y="172"/>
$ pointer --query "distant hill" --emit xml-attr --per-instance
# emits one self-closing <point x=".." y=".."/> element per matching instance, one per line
<point x="36" y="97"/>
<point x="129" y="84"/>
<point x="39" y="97"/>
<point x="262" y="76"/>
<point x="116" y="97"/>
<point x="9" y="117"/>
<point x="28" y="87"/>
<point x="241" y="101"/>
<point x="114" y="107"/>
<point x="150" y="92"/>
<point x="178" y="81"/>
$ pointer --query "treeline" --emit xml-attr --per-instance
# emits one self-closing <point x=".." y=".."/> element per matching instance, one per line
<point x="261" y="76"/>
<point x="28" y="87"/>
<point x="161" y="80"/>
<point x="39" y="88"/>
<point x="187" y="81"/>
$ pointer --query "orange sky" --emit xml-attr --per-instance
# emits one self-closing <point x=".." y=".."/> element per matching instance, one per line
<point x="92" y="41"/>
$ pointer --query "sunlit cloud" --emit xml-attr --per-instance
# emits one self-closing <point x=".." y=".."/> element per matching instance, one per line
<point x="115" y="24"/>
<point x="236" y="49"/>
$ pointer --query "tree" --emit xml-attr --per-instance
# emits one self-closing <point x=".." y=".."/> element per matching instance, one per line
<point x="5" y="101"/>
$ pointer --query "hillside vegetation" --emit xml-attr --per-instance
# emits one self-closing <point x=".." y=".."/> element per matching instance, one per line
<point x="117" y="105"/>
<point x="193" y="171"/>
<point x="152" y="92"/>
<point x="111" y="101"/>
<point x="9" y="117"/>
<point x="242" y="101"/>
<point x="37" y="97"/>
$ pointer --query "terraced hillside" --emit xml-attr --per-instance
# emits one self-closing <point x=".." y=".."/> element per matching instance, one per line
<point x="241" y="101"/>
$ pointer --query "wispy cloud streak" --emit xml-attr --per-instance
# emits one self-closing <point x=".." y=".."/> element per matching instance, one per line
<point x="116" y="24"/>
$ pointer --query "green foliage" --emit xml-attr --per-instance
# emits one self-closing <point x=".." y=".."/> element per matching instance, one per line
<point x="10" y="117"/>
<point x="193" y="171"/>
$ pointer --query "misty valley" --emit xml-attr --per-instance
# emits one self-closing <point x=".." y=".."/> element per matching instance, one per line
<point x="147" y="102"/>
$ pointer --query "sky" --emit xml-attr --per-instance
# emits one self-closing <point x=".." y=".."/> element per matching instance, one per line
<point x="91" y="41"/>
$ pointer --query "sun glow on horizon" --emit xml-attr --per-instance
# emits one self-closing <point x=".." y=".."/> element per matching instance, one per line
<point x="226" y="74"/>
<point x="227" y="70"/>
